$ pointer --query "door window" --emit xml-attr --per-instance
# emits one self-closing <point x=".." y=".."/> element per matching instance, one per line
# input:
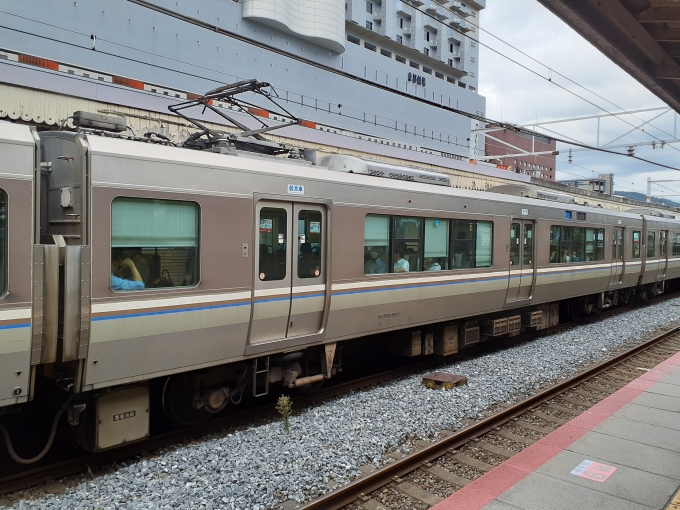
<point x="309" y="244"/>
<point x="514" y="244"/>
<point x="272" y="240"/>
<point x="662" y="244"/>
<point x="651" y="244"/>
<point x="3" y="242"/>
<point x="528" y="256"/>
<point x="636" y="244"/>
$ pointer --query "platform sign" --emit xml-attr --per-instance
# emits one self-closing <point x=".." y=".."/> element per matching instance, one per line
<point x="593" y="471"/>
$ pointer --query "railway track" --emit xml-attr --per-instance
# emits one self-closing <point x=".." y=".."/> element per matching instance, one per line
<point x="429" y="475"/>
<point x="92" y="463"/>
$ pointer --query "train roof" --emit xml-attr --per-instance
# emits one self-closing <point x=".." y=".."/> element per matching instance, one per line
<point x="299" y="168"/>
<point x="17" y="134"/>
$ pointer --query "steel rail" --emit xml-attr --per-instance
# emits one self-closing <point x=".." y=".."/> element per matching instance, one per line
<point x="369" y="483"/>
<point x="88" y="461"/>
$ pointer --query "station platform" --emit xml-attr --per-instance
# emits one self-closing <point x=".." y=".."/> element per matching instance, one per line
<point x="623" y="454"/>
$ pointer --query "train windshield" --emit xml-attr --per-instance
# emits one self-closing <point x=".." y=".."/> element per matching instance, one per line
<point x="154" y="243"/>
<point x="3" y="242"/>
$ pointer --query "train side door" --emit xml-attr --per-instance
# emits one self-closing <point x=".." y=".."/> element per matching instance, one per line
<point x="290" y="281"/>
<point x="522" y="259"/>
<point x="617" y="256"/>
<point x="663" y="255"/>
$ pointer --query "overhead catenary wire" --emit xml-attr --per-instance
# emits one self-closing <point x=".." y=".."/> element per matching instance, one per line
<point x="447" y="108"/>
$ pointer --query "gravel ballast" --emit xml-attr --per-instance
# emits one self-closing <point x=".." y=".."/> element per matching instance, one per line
<point x="259" y="467"/>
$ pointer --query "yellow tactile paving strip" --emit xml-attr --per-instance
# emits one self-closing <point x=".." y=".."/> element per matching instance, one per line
<point x="675" y="503"/>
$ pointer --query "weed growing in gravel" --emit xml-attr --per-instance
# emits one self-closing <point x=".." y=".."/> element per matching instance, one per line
<point x="284" y="405"/>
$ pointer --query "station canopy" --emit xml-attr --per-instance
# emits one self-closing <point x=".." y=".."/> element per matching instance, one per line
<point x="641" y="36"/>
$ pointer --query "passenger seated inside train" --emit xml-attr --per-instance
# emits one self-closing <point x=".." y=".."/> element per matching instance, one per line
<point x="118" y="263"/>
<point x="401" y="265"/>
<point x="307" y="264"/>
<point x="432" y="265"/>
<point x="135" y="255"/>
<point x="373" y="264"/>
<point x="461" y="251"/>
<point x="566" y="257"/>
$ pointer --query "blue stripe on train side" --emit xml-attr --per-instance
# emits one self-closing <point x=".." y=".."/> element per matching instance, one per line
<point x="167" y="312"/>
<point x="16" y="326"/>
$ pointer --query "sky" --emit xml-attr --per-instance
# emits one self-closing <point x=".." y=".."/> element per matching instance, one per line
<point x="518" y="95"/>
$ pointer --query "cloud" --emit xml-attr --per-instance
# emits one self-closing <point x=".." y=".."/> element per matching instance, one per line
<point x="533" y="93"/>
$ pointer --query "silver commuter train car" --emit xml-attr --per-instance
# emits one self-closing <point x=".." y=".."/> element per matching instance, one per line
<point x="218" y="272"/>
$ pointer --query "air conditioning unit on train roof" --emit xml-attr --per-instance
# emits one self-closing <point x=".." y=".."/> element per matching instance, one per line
<point x="352" y="164"/>
<point x="650" y="212"/>
<point x="518" y="190"/>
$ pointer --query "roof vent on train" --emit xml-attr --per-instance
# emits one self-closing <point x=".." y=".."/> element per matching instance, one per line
<point x="650" y="212"/>
<point x="354" y="165"/>
<point x="517" y="190"/>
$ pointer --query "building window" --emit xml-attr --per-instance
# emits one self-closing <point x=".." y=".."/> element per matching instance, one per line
<point x="400" y="39"/>
<point x="450" y="47"/>
<point x="415" y="65"/>
<point x="4" y="247"/>
<point x="473" y="59"/>
<point x="369" y="25"/>
<point x="473" y="44"/>
<point x="154" y="243"/>
<point x="369" y="7"/>
<point x="439" y="75"/>
<point x="462" y="85"/>
<point x="450" y="79"/>
<point x="399" y="58"/>
<point x="385" y="53"/>
<point x="370" y="46"/>
<point x="427" y="35"/>
<point x="426" y="52"/>
<point x="401" y="22"/>
<point x="451" y="62"/>
<point x="353" y="39"/>
<point x="427" y="70"/>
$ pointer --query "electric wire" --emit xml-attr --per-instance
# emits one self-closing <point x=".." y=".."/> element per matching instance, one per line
<point x="454" y="110"/>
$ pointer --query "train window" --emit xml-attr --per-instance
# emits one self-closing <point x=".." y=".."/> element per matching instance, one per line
<point x="555" y="244"/>
<point x="154" y="243"/>
<point x="407" y="243"/>
<point x="3" y="242"/>
<point x="651" y="244"/>
<point x="484" y="244"/>
<point x="663" y="244"/>
<point x="272" y="240"/>
<point x="309" y="244"/>
<point x="515" y="230"/>
<point x="636" y="244"/>
<point x="376" y="244"/>
<point x="436" y="244"/>
<point x="462" y="246"/>
<point x="579" y="247"/>
<point x="599" y="247"/>
<point x="676" y="244"/>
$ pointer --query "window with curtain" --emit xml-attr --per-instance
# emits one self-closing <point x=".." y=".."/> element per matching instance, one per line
<point x="376" y="244"/>
<point x="3" y="242"/>
<point x="154" y="243"/>
<point x="436" y="244"/>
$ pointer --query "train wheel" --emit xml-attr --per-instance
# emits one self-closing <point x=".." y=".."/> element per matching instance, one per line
<point x="178" y="400"/>
<point x="575" y="308"/>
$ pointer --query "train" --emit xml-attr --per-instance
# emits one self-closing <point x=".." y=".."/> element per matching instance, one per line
<point x="128" y="262"/>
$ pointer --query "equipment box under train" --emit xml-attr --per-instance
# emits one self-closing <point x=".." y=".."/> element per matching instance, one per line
<point x="111" y="419"/>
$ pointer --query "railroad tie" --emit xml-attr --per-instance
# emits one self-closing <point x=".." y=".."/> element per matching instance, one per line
<point x="492" y="448"/>
<point x="536" y="428"/>
<point x="514" y="437"/>
<point x="472" y="462"/>
<point x="448" y="476"/>
<point x="565" y="410"/>
<point x="576" y="401"/>
<point x="550" y="417"/>
<point x="588" y="394"/>
<point x="417" y="493"/>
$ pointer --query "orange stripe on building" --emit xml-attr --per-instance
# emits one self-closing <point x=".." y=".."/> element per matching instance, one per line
<point x="259" y="112"/>
<point x="39" y="62"/>
<point x="128" y="82"/>
<point x="308" y="124"/>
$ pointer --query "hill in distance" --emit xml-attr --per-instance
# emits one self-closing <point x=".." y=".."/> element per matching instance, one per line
<point x="641" y="197"/>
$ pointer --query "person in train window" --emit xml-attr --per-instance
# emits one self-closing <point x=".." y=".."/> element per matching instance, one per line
<point x="565" y="256"/>
<point x="135" y="255"/>
<point x="401" y="265"/>
<point x="374" y="264"/>
<point x="432" y="265"/>
<point x="118" y="264"/>
<point x="462" y="250"/>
